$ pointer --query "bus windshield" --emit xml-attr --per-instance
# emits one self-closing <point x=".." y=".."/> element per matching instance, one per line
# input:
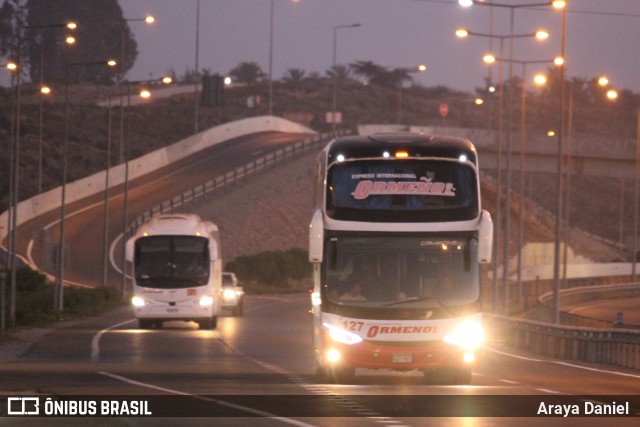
<point x="171" y="261"/>
<point x="407" y="272"/>
<point x="411" y="190"/>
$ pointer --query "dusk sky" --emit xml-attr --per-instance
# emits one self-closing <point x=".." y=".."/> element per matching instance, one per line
<point x="602" y="37"/>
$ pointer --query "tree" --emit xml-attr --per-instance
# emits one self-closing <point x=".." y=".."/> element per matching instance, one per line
<point x="12" y="17"/>
<point x="247" y="72"/>
<point x="101" y="32"/>
<point x="340" y="72"/>
<point x="294" y="75"/>
<point x="368" y="70"/>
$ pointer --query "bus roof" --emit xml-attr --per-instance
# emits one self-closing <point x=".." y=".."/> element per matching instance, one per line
<point x="177" y="224"/>
<point x="415" y="144"/>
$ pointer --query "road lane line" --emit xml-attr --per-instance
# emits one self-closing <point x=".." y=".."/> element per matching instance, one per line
<point x="95" y="341"/>
<point x="208" y="399"/>
<point x="557" y="362"/>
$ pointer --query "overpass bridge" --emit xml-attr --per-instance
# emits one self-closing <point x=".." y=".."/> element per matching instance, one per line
<point x="591" y="156"/>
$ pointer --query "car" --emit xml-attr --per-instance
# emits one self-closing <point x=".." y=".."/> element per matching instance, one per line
<point x="232" y="294"/>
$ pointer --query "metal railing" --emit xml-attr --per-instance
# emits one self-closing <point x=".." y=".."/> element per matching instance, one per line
<point x="617" y="347"/>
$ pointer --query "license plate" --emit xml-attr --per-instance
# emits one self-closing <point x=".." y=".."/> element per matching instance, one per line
<point x="172" y="310"/>
<point x="402" y="358"/>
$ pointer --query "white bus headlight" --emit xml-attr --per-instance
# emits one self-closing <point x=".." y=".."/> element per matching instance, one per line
<point x="468" y="335"/>
<point x="137" y="301"/>
<point x="206" y="301"/>
<point x="341" y="335"/>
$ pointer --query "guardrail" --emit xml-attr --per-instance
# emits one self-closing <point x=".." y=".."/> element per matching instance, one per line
<point x="589" y="293"/>
<point x="617" y="347"/>
<point x="224" y="181"/>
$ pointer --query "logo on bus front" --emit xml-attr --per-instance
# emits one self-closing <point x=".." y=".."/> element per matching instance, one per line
<point x="422" y="187"/>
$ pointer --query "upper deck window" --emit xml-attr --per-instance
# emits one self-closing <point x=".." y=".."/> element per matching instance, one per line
<point x="402" y="191"/>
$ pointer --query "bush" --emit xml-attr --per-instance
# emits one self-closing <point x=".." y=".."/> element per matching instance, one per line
<point x="273" y="268"/>
<point x="34" y="299"/>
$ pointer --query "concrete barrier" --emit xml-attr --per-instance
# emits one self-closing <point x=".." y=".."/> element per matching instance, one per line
<point x="94" y="184"/>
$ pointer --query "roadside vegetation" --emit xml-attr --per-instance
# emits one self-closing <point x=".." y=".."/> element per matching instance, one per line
<point x="273" y="271"/>
<point x="34" y="300"/>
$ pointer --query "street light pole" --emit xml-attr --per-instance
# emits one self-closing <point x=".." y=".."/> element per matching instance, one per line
<point x="559" y="184"/>
<point x="335" y="75"/>
<point x="58" y="298"/>
<point x="462" y="33"/>
<point x="125" y="210"/>
<point x="271" y="59"/>
<point x="635" y="202"/>
<point x="105" y="251"/>
<point x="149" y="19"/>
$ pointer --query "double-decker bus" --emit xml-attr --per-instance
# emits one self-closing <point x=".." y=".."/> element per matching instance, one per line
<point x="177" y="271"/>
<point x="396" y="239"/>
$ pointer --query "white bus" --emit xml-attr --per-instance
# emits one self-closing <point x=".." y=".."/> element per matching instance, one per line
<point x="177" y="271"/>
<point x="396" y="239"/>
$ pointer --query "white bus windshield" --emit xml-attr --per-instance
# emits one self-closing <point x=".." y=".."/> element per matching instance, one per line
<point x="171" y="261"/>
<point x="407" y="272"/>
<point x="402" y="191"/>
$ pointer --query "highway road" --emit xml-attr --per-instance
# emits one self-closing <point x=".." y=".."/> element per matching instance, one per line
<point x="607" y="309"/>
<point x="262" y="364"/>
<point x="258" y="369"/>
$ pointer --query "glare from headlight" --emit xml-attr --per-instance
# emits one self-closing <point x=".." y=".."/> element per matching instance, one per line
<point x="468" y="335"/>
<point x="341" y="335"/>
<point x="137" y="301"/>
<point x="316" y="299"/>
<point x="229" y="294"/>
<point x="206" y="301"/>
<point x="333" y="355"/>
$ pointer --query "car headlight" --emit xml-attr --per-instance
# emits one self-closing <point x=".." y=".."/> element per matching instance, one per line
<point x="341" y="335"/>
<point x="229" y="294"/>
<point x="137" y="301"/>
<point x="469" y="335"/>
<point x="206" y="301"/>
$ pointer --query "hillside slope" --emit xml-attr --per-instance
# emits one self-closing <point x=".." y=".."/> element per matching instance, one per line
<point x="271" y="211"/>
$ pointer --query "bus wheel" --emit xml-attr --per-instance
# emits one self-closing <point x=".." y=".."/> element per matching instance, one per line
<point x="340" y="374"/>
<point x="144" y="324"/>
<point x="214" y="322"/>
<point x="205" y="323"/>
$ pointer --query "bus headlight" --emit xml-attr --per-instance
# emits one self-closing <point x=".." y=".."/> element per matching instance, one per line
<point x="206" y="301"/>
<point x="468" y="335"/>
<point x="137" y="301"/>
<point x="341" y="335"/>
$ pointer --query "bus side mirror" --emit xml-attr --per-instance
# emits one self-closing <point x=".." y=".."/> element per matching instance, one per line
<point x="128" y="250"/>
<point x="485" y="238"/>
<point x="316" y="237"/>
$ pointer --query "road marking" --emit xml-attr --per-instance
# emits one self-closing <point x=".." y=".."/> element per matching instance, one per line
<point x="587" y="306"/>
<point x="208" y="399"/>
<point x="557" y="362"/>
<point x="95" y="341"/>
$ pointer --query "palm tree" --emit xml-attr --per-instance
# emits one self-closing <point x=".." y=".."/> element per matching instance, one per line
<point x="339" y="72"/>
<point x="294" y="75"/>
<point x="368" y="70"/>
